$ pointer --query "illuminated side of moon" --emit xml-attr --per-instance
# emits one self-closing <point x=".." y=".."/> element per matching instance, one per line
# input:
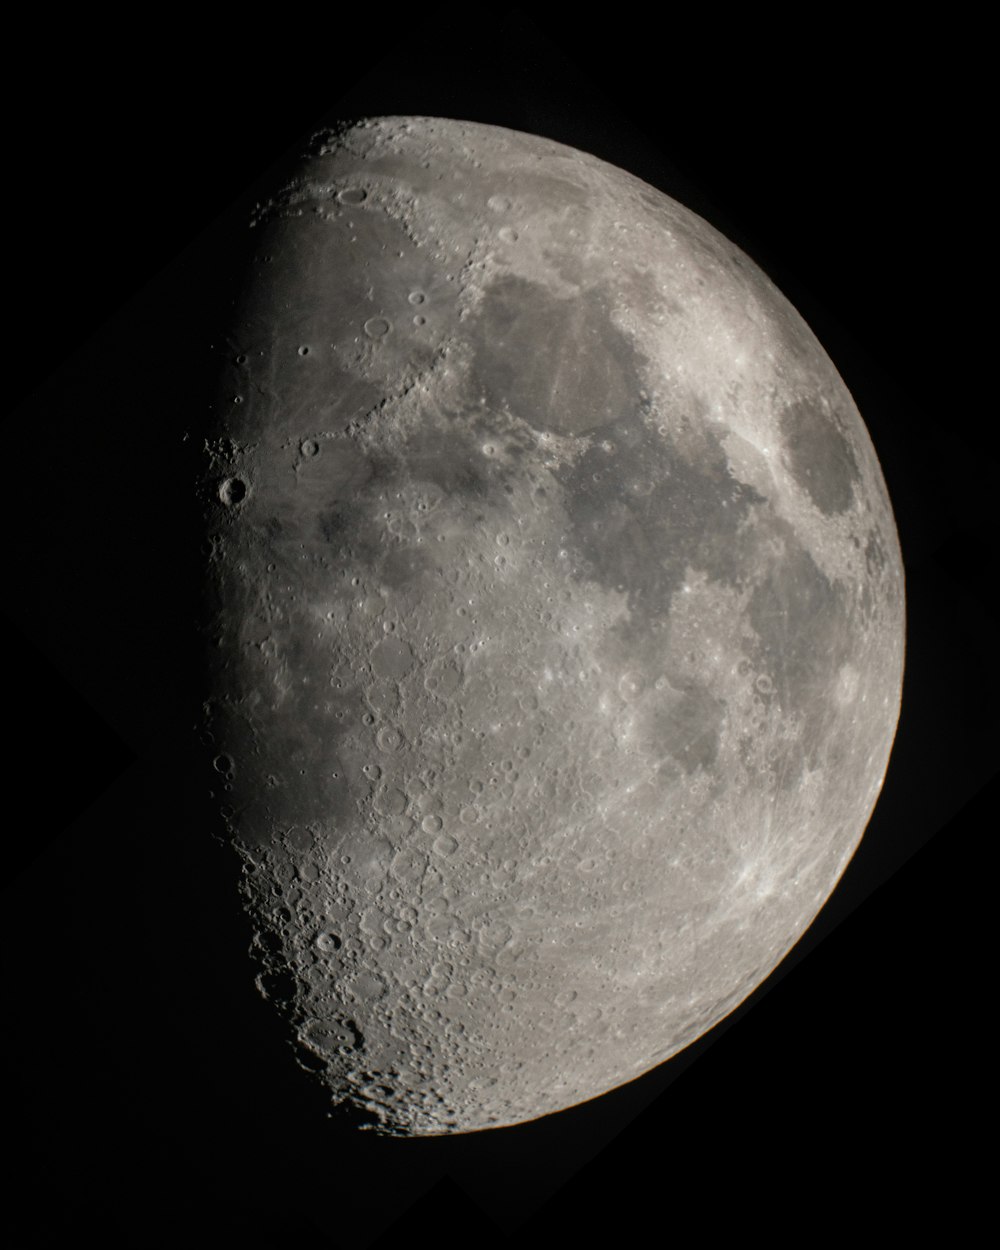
<point x="555" y="609"/>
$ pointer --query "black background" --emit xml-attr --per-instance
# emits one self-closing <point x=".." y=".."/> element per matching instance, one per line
<point x="149" y="1098"/>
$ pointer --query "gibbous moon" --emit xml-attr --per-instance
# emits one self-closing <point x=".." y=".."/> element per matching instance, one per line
<point x="554" y="615"/>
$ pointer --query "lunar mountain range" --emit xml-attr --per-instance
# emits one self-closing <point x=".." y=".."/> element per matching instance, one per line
<point x="554" y="622"/>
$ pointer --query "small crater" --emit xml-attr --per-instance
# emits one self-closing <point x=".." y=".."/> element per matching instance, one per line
<point x="309" y="448"/>
<point x="278" y="986"/>
<point x="334" y="1035"/>
<point x="392" y="658"/>
<point x="630" y="686"/>
<point x="377" y="327"/>
<point x="389" y="739"/>
<point x="408" y="866"/>
<point x="352" y="195"/>
<point x="232" y="491"/>
<point x="444" y="680"/>
<point x="494" y="935"/>
<point x="390" y="802"/>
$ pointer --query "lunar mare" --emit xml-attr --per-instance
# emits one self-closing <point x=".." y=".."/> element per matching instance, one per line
<point x="555" y="621"/>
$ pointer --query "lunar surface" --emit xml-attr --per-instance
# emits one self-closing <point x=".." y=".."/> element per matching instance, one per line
<point x="554" y="616"/>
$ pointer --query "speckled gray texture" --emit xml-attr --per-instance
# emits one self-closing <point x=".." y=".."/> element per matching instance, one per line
<point x="556" y="615"/>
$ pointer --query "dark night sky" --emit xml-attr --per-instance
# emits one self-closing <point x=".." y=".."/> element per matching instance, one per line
<point x="150" y="1100"/>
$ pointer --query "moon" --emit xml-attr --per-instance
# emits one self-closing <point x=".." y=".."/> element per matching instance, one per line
<point x="554" y="617"/>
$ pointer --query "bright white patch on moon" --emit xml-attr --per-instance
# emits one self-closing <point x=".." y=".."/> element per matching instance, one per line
<point x="555" y="614"/>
